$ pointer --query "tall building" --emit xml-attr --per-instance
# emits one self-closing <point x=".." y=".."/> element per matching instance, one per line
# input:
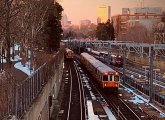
<point x="64" y="21"/>
<point x="103" y="13"/>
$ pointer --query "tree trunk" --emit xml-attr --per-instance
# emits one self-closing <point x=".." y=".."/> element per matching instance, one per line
<point x="8" y="35"/>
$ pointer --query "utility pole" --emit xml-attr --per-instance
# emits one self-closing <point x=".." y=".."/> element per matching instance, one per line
<point x="151" y="72"/>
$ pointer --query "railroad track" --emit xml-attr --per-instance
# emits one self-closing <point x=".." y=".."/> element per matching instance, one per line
<point x="135" y="72"/>
<point x="73" y="106"/>
<point x="118" y="106"/>
<point x="121" y="109"/>
<point x="124" y="114"/>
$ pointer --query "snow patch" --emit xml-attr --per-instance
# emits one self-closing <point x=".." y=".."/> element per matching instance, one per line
<point x="109" y="113"/>
<point x="162" y="114"/>
<point x="16" y="58"/>
<point x="136" y="100"/>
<point x="91" y="115"/>
<point x="4" y="61"/>
<point x="23" y="69"/>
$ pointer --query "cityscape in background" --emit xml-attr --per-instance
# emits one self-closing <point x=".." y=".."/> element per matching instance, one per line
<point x="148" y="19"/>
<point x="110" y="65"/>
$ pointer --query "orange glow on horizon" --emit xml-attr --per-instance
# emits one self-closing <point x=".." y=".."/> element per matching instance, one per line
<point x="77" y="10"/>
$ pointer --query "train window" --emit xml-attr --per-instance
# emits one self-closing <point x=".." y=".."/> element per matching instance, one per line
<point x="105" y="78"/>
<point x="110" y="79"/>
<point x="96" y="71"/>
<point x="116" y="78"/>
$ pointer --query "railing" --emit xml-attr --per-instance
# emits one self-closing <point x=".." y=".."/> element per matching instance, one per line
<point x="7" y="94"/>
<point x="25" y="93"/>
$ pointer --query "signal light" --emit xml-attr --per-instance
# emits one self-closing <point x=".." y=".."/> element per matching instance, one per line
<point x="116" y="73"/>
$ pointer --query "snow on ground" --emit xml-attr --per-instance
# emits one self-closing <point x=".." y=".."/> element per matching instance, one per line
<point x="29" y="53"/>
<point x="109" y="113"/>
<point x="91" y="115"/>
<point x="128" y="90"/>
<point x="138" y="96"/>
<point x="136" y="100"/>
<point x="15" y="48"/>
<point x="23" y="69"/>
<point x="4" y="61"/>
<point x="90" y="112"/>
<point x="16" y="58"/>
<point x="162" y="114"/>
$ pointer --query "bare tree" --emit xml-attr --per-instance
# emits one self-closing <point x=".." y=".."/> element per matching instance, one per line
<point x="22" y="20"/>
<point x="159" y="32"/>
<point x="31" y="20"/>
<point x="30" y="23"/>
<point x="137" y="33"/>
<point x="9" y="9"/>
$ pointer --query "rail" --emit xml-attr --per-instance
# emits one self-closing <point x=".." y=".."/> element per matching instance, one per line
<point x="76" y="89"/>
<point x="81" y="94"/>
<point x="70" y="94"/>
<point x="23" y="94"/>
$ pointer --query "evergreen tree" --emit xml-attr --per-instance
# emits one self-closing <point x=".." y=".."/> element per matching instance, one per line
<point x="101" y="32"/>
<point x="105" y="31"/>
<point x="110" y="30"/>
<point x="53" y="29"/>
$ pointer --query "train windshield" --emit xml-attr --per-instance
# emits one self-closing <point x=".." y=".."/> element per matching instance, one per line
<point x="116" y="78"/>
<point x="110" y="78"/>
<point x="101" y="54"/>
<point x="70" y="53"/>
<point x="105" y="78"/>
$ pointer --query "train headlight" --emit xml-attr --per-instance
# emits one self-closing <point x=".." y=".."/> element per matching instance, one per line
<point x="116" y="73"/>
<point x="105" y="84"/>
<point x="105" y="73"/>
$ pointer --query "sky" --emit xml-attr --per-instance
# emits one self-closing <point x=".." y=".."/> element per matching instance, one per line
<point x="77" y="10"/>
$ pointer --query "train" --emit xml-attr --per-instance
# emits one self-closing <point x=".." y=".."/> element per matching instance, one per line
<point x="112" y="59"/>
<point x="116" y="60"/>
<point x="103" y="74"/>
<point x="69" y="54"/>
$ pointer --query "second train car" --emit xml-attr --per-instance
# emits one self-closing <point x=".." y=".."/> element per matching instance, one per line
<point x="103" y="74"/>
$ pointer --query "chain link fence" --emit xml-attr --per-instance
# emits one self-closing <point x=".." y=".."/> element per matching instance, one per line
<point x="17" y="98"/>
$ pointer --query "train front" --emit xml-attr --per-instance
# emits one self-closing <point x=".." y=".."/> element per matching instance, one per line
<point x="69" y="54"/>
<point x="110" y="80"/>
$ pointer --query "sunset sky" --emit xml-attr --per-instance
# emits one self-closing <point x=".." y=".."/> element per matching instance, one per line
<point x="77" y="10"/>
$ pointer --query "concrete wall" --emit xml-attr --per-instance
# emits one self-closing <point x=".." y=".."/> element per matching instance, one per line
<point x="40" y="108"/>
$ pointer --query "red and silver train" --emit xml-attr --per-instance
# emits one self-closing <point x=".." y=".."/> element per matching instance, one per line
<point x="116" y="60"/>
<point x="69" y="54"/>
<point x="104" y="75"/>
